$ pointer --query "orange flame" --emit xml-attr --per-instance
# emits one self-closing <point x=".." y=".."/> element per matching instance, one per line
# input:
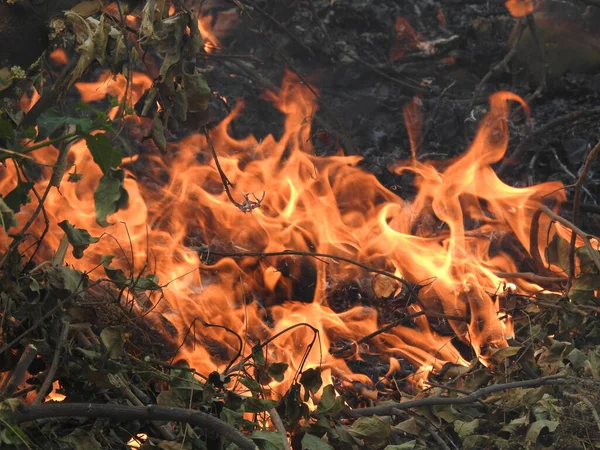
<point x="450" y="234"/>
<point x="520" y="8"/>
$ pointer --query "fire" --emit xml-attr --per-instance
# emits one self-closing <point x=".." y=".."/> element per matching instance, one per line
<point x="449" y="238"/>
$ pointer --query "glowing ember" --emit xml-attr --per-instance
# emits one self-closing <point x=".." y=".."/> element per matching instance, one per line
<point x="55" y="396"/>
<point x="448" y="237"/>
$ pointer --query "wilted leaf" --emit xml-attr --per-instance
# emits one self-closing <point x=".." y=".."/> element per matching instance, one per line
<point x="410" y="445"/>
<point x="557" y="252"/>
<point x="100" y="40"/>
<point x="516" y="424"/>
<point x="536" y="428"/>
<point x="104" y="153"/>
<point x="311" y="442"/>
<point x="110" y="195"/>
<point x="158" y="133"/>
<point x="113" y="338"/>
<point x="7" y="216"/>
<point x="464" y="429"/>
<point x="445" y="412"/>
<point x="409" y="426"/>
<point x="311" y="380"/>
<point x="79" y="238"/>
<point x="277" y="370"/>
<point x="532" y="396"/>
<point x="475" y="442"/>
<point x="586" y="263"/>
<point x="577" y="358"/>
<point x="170" y="398"/>
<point x="65" y="278"/>
<point x="18" y="196"/>
<point x="372" y="430"/>
<point x="267" y="440"/>
<point x="82" y="440"/>
<point x="502" y="353"/>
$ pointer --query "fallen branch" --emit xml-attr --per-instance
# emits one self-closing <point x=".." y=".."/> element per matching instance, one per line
<point x="411" y="286"/>
<point x="388" y="410"/>
<point x="29" y="413"/>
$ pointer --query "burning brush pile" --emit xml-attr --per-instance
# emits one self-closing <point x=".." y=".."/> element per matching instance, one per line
<point x="171" y="281"/>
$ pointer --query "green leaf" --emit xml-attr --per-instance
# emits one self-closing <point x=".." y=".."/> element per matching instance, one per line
<point x="105" y="260"/>
<point x="311" y="442"/>
<point x="18" y="196"/>
<point x="117" y="276"/>
<point x="6" y="130"/>
<point x="290" y="408"/>
<point x="329" y="403"/>
<point x="110" y="196"/>
<point x="257" y="355"/>
<point x="372" y="430"/>
<point x="256" y="405"/>
<point x="277" y="370"/>
<point x="267" y="440"/>
<point x="74" y="177"/>
<point x="311" y="380"/>
<point x="147" y="283"/>
<point x="251" y="384"/>
<point x="52" y="119"/>
<point x="79" y="238"/>
<point x="104" y="153"/>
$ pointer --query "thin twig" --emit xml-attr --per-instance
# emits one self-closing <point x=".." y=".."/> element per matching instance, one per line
<point x="19" y="371"/>
<point x="46" y="385"/>
<point x="248" y="204"/>
<point x="531" y="277"/>
<point x="387" y="410"/>
<point x="501" y="65"/>
<point x="29" y="413"/>
<point x="582" y="398"/>
<point x="520" y="148"/>
<point x="408" y="284"/>
<point x="577" y="212"/>
<point x="394" y="324"/>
